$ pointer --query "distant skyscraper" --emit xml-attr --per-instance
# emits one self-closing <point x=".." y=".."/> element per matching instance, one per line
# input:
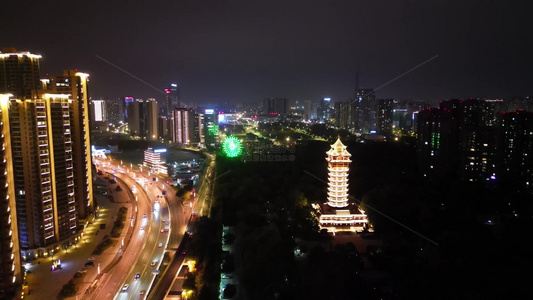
<point x="164" y="128"/>
<point x="172" y="100"/>
<point x="183" y="131"/>
<point x="210" y="127"/>
<point x="11" y="269"/>
<point x="324" y="110"/>
<point x="152" y="116"/>
<point x="365" y="110"/>
<point x="344" y="114"/>
<point x="98" y="111"/>
<point x="143" y="118"/>
<point x="277" y="106"/>
<point x="135" y="118"/>
<point x="115" y="111"/>
<point x="19" y="73"/>
<point x="385" y="117"/>
<point x="308" y="106"/>
<point x="127" y="102"/>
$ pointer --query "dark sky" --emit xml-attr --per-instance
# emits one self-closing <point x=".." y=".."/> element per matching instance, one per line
<point x="246" y="50"/>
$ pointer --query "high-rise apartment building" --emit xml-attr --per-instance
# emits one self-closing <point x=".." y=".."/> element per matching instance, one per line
<point x="10" y="263"/>
<point x="516" y="148"/>
<point x="459" y="140"/>
<point x="385" y="116"/>
<point x="42" y="143"/>
<point x="115" y="111"/>
<point x="74" y="83"/>
<point x="152" y="116"/>
<point x="19" y="73"/>
<point x="187" y="126"/>
<point x="344" y="114"/>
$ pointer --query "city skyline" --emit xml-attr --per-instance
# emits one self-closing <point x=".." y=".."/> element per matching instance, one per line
<point x="248" y="51"/>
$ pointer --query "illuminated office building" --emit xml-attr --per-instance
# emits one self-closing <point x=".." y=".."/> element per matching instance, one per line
<point x="337" y="214"/>
<point x="155" y="161"/>
<point x="10" y="267"/>
<point x="19" y="73"/>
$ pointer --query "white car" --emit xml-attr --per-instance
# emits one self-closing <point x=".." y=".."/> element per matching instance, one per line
<point x="153" y="263"/>
<point x="160" y="245"/>
<point x="125" y="287"/>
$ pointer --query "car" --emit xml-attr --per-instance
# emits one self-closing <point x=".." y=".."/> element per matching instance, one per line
<point x="144" y="215"/>
<point x="160" y="245"/>
<point x="153" y="263"/>
<point x="137" y="276"/>
<point x="90" y="259"/>
<point x="184" y="252"/>
<point x="143" y="292"/>
<point x="166" y="223"/>
<point x="89" y="263"/>
<point x="165" y="230"/>
<point x="142" y="227"/>
<point x="125" y="287"/>
<point x="104" y="193"/>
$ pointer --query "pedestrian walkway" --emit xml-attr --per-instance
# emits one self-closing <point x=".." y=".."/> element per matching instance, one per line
<point x="46" y="284"/>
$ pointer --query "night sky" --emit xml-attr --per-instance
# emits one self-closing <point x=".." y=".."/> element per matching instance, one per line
<point x="245" y="50"/>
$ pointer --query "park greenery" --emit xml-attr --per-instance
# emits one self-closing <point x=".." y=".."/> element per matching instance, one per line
<point x="118" y="225"/>
<point x="437" y="241"/>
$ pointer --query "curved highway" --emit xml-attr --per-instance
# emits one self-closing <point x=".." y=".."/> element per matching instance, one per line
<point x="142" y="249"/>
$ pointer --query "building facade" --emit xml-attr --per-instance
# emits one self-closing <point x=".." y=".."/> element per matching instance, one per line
<point x="19" y="73"/>
<point x="75" y="84"/>
<point x="10" y="262"/>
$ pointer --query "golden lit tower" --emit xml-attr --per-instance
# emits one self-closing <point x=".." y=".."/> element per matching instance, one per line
<point x="10" y="268"/>
<point x="337" y="214"/>
<point x="338" y="167"/>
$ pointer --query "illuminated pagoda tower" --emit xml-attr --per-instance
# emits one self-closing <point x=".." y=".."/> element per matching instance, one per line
<point x="337" y="214"/>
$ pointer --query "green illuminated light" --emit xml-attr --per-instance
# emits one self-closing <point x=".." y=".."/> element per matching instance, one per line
<point x="232" y="146"/>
